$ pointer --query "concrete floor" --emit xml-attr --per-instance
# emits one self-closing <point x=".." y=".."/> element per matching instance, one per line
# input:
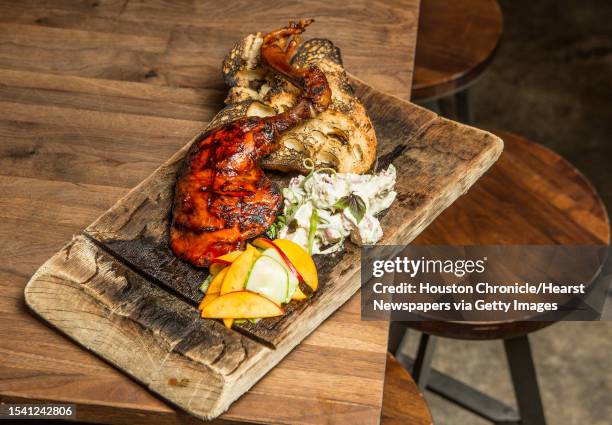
<point x="551" y="81"/>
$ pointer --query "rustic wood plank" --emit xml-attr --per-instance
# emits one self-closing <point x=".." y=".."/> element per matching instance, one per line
<point x="437" y="161"/>
<point x="197" y="364"/>
<point x="107" y="308"/>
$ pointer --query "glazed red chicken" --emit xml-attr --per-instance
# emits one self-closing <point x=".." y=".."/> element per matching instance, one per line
<point x="222" y="197"/>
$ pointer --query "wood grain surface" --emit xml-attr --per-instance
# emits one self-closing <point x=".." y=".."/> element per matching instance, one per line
<point x="101" y="289"/>
<point x="403" y="402"/>
<point x="181" y="43"/>
<point x="89" y="110"/>
<point x="94" y="96"/>
<point x="456" y="42"/>
<point x="531" y="196"/>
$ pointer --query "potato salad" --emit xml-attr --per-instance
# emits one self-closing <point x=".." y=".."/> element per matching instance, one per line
<point x="324" y="208"/>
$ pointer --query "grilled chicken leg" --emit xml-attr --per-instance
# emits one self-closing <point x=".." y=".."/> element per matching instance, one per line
<point x="222" y="197"/>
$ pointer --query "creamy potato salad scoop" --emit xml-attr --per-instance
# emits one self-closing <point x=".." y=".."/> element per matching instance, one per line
<point x="324" y="208"/>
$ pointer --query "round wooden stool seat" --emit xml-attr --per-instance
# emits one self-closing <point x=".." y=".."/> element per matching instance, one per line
<point x="403" y="402"/>
<point x="531" y="196"/>
<point x="456" y="41"/>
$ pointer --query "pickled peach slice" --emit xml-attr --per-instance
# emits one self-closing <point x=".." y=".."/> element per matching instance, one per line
<point x="241" y="305"/>
<point x="220" y="263"/>
<point x="207" y="299"/>
<point x="238" y="271"/>
<point x="298" y="295"/>
<point x="215" y="285"/>
<point x="301" y="260"/>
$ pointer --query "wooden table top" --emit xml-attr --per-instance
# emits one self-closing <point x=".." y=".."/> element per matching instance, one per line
<point x="530" y="196"/>
<point x="456" y="42"/>
<point x="93" y="97"/>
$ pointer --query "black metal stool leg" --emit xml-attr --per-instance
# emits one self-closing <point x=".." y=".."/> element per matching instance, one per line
<point x="454" y="390"/>
<point x="522" y="370"/>
<point x="464" y="110"/>
<point x="446" y="107"/>
<point x="397" y="330"/>
<point x="422" y="363"/>
<point x="432" y="105"/>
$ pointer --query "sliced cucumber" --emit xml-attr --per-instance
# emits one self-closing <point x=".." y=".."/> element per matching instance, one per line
<point x="293" y="280"/>
<point x="269" y="278"/>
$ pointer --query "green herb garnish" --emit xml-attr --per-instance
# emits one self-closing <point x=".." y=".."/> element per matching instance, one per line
<point x="243" y="321"/>
<point x="204" y="286"/>
<point x="310" y="165"/>
<point x="312" y="230"/>
<point x="293" y="225"/>
<point x="275" y="227"/>
<point x="354" y="203"/>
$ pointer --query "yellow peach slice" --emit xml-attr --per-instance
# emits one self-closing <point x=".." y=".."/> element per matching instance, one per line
<point x="238" y="271"/>
<point x="230" y="256"/>
<point x="213" y="289"/>
<point x="241" y="305"/>
<point x="215" y="285"/>
<point x="301" y="260"/>
<point x="298" y="295"/>
<point x="223" y="261"/>
<point x="207" y="299"/>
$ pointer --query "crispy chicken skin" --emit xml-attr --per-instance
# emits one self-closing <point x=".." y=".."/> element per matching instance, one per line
<point x="222" y="197"/>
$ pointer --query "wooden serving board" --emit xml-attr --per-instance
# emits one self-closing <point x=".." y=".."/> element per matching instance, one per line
<point x="119" y="291"/>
